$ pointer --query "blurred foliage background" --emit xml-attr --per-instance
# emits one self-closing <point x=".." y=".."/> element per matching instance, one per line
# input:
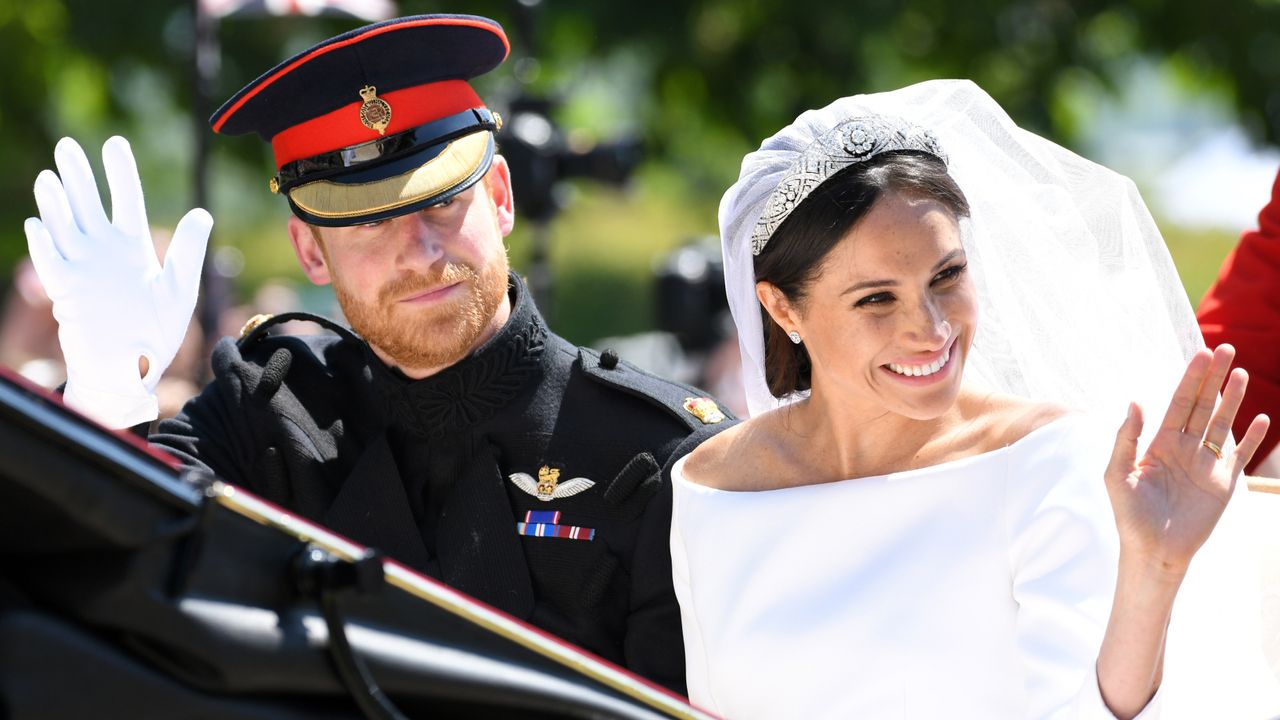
<point x="698" y="83"/>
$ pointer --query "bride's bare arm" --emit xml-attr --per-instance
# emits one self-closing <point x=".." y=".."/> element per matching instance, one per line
<point x="1166" y="504"/>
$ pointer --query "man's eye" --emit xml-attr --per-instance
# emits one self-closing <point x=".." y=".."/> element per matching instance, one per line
<point x="443" y="203"/>
<point x="372" y="224"/>
<point x="876" y="299"/>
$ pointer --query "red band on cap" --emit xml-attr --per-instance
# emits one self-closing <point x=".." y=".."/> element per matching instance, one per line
<point x="341" y="128"/>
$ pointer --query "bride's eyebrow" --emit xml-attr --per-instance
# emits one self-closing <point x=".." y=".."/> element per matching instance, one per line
<point x="876" y="284"/>
<point x="957" y="253"/>
<point x="868" y="285"/>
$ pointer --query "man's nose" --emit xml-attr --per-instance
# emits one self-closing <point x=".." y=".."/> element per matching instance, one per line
<point x="421" y="245"/>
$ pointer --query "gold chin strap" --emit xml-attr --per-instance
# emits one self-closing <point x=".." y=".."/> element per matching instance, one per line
<point x="459" y="160"/>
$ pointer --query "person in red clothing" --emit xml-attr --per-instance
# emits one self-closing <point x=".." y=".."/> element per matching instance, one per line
<point x="1243" y="308"/>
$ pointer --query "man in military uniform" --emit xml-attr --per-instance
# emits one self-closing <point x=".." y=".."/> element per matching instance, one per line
<point x="451" y="429"/>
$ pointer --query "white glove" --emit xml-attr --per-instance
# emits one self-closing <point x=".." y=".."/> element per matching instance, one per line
<point x="113" y="301"/>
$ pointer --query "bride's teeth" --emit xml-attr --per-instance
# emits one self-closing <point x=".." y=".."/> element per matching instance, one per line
<point x="921" y="370"/>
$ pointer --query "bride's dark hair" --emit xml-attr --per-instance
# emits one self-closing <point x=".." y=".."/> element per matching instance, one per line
<point x="794" y="255"/>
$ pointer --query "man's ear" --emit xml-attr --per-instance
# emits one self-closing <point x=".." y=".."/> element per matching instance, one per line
<point x="306" y="245"/>
<point x="781" y="309"/>
<point x="498" y="183"/>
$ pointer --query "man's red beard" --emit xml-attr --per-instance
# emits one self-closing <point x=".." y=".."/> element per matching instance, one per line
<point x="434" y="337"/>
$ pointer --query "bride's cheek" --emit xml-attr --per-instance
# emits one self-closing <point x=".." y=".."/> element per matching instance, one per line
<point x="962" y="304"/>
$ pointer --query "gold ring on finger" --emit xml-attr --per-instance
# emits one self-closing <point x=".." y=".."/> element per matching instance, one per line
<point x="1214" y="448"/>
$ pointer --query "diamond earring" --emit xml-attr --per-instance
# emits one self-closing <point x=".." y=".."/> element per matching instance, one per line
<point x="795" y="337"/>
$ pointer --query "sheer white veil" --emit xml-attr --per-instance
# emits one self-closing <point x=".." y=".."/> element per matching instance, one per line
<point x="1080" y="304"/>
<point x="1074" y="278"/>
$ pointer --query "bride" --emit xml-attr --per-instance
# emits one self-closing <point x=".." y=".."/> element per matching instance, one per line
<point x="915" y="522"/>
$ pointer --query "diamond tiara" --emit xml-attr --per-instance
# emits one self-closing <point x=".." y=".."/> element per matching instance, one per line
<point x="856" y="140"/>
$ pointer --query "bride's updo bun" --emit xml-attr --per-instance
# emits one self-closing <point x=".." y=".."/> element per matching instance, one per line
<point x="793" y="257"/>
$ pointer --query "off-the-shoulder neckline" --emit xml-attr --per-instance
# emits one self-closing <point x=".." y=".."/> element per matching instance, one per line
<point x="678" y="478"/>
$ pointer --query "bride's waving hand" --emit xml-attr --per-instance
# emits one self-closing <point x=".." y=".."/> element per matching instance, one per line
<point x="1166" y="504"/>
<point x="1168" y="501"/>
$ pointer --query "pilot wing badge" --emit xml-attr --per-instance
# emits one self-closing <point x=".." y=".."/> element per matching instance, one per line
<point x="548" y="486"/>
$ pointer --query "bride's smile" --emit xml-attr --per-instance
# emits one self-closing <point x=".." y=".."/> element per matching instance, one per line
<point x="924" y="370"/>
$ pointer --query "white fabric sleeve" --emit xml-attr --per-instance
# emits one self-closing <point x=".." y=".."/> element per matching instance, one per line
<point x="695" y="656"/>
<point x="1063" y="557"/>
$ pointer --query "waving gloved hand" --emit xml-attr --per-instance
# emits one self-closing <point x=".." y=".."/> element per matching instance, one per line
<point x="118" y="309"/>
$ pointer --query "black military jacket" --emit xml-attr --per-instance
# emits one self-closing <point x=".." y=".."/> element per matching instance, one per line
<point x="423" y="470"/>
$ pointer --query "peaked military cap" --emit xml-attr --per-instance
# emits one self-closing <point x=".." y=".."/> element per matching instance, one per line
<point x="377" y="122"/>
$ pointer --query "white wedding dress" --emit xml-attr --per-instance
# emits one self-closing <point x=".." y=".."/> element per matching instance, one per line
<point x="978" y="588"/>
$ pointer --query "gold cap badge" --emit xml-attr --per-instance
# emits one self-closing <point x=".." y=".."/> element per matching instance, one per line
<point x="375" y="113"/>
<point x="705" y="409"/>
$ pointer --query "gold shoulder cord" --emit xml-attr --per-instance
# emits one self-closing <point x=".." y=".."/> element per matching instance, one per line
<point x="245" y="504"/>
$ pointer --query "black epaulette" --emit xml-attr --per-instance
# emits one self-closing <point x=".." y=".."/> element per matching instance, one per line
<point x="262" y="384"/>
<point x="683" y="402"/>
<point x="258" y="325"/>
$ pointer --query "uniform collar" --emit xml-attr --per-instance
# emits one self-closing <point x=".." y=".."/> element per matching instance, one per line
<point x="474" y="389"/>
